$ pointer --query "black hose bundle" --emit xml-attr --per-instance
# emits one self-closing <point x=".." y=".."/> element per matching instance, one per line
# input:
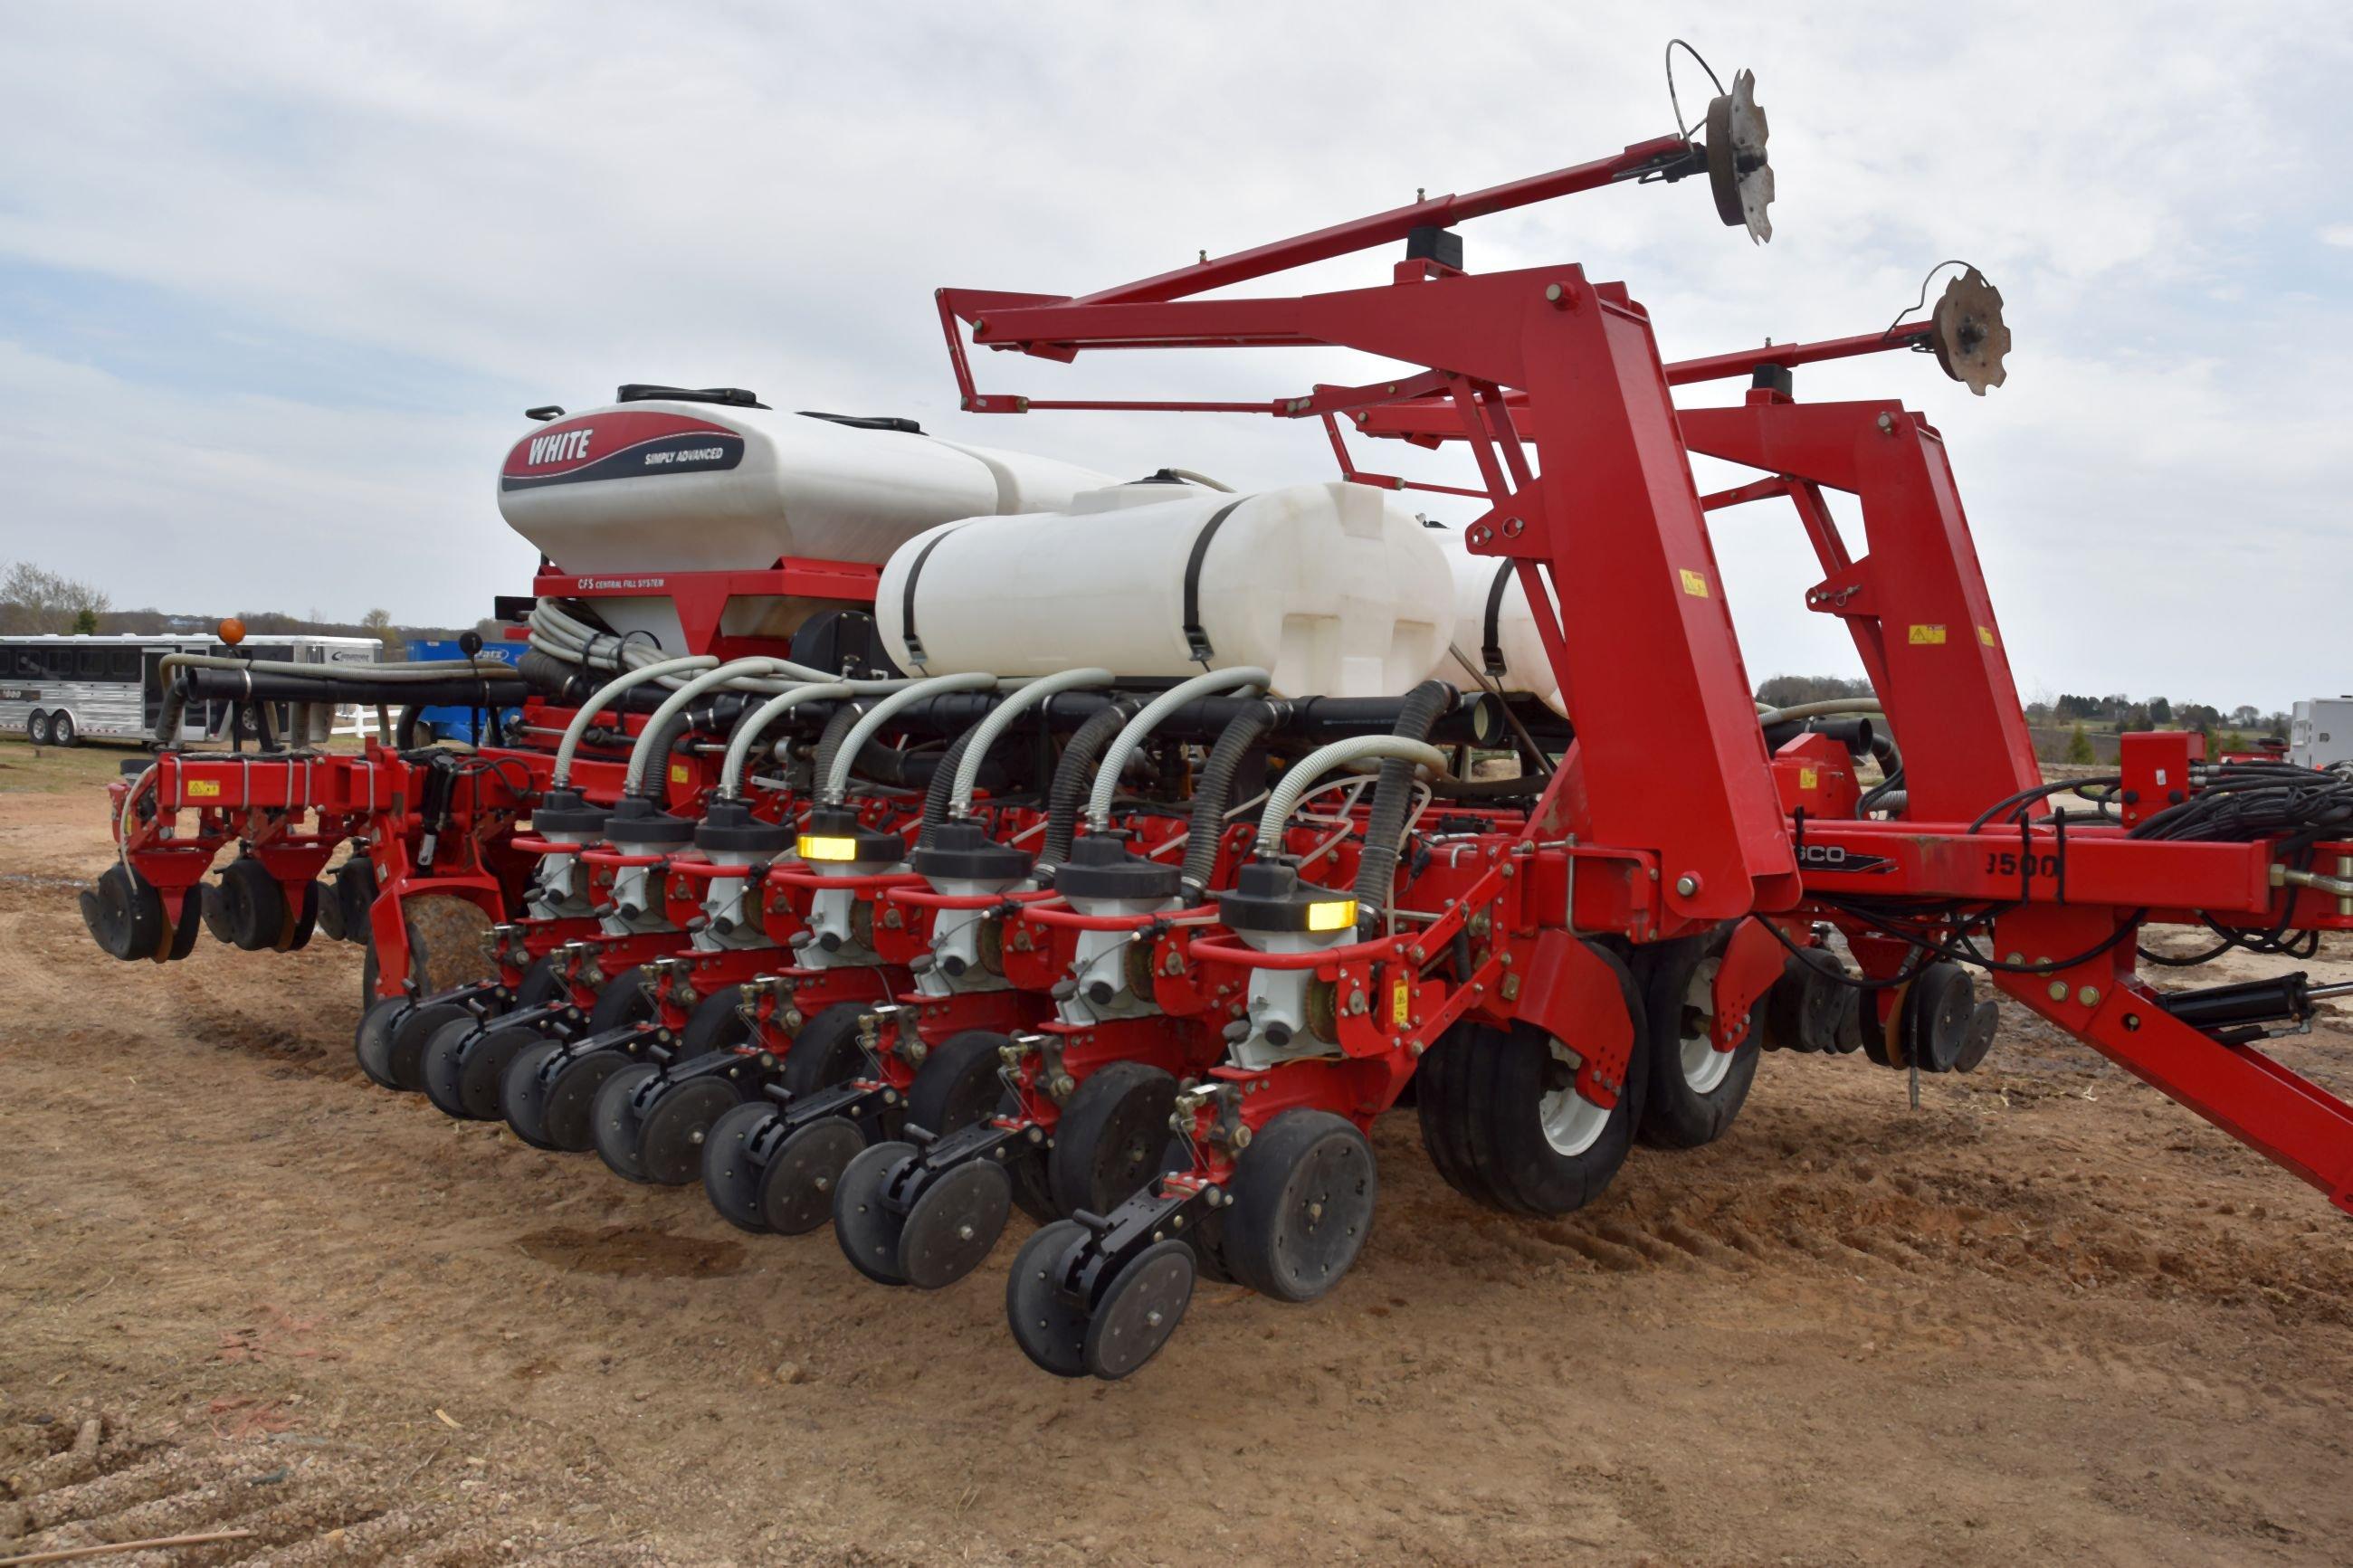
<point x="1393" y="792"/>
<point x="1074" y="775"/>
<point x="1213" y="794"/>
<point x="2239" y="801"/>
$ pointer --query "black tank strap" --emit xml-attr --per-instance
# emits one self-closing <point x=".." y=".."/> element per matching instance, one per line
<point x="1196" y="641"/>
<point x="907" y="597"/>
<point x="1491" y="649"/>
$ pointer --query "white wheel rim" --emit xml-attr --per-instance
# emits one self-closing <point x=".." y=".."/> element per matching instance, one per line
<point x="1572" y="1123"/>
<point x="1704" y="1066"/>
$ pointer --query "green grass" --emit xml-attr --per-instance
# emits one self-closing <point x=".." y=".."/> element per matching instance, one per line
<point x="53" y="770"/>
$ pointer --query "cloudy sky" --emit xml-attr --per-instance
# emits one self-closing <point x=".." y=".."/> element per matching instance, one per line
<point x="276" y="282"/>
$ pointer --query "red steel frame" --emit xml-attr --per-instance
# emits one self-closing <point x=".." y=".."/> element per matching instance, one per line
<point x="1688" y="811"/>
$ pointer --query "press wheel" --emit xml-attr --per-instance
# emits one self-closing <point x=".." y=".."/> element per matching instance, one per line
<point x="617" y="1122"/>
<point x="730" y="1177"/>
<point x="1139" y="1309"/>
<point x="797" y="1189"/>
<point x="677" y="1122"/>
<point x="1050" y="1331"/>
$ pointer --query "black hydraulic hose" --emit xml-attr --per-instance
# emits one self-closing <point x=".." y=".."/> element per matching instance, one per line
<point x="1213" y="794"/>
<point x="1074" y="777"/>
<point x="1376" y="869"/>
<point x="404" y="733"/>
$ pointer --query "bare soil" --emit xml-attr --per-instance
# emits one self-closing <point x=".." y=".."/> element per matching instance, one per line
<point x="2049" y="1316"/>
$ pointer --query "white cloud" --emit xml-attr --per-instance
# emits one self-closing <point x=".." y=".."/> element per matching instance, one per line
<point x="547" y="199"/>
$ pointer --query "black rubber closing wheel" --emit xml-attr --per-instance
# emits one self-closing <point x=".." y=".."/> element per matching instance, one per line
<point x="730" y="1177"/>
<point x="616" y="1122"/>
<point x="868" y="1229"/>
<point x="1139" y="1309"/>
<point x="676" y="1124"/>
<point x="372" y="1041"/>
<point x="1303" y="1192"/>
<point x="185" y="924"/>
<point x="1984" y="1024"/>
<point x="411" y="1034"/>
<point x="1051" y="1330"/>
<point x="252" y="906"/>
<point x="1026" y="1163"/>
<point x="954" y="1225"/>
<point x="571" y="1097"/>
<point x="624" y="1000"/>
<point x="442" y="1066"/>
<point x="330" y="912"/>
<point x="1504" y="1121"/>
<point x="957" y="1084"/>
<point x="797" y="1189"/>
<point x="1110" y="1138"/>
<point x="483" y="1063"/>
<point x="124" y="913"/>
<point x="826" y="1052"/>
<point x="716" y="1024"/>
<point x="1695" y="1091"/>
<point x="1940" y="1013"/>
<point x="538" y="986"/>
<point x="522" y="1092"/>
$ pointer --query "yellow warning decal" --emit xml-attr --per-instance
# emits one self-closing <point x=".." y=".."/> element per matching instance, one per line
<point x="1809" y="778"/>
<point x="1401" y="1004"/>
<point x="1694" y="584"/>
<point x="203" y="787"/>
<point x="1985" y="636"/>
<point x="1928" y="636"/>
<point x="678" y="774"/>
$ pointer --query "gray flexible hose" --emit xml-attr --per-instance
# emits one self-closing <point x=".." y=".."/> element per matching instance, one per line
<point x="1001" y="719"/>
<point x="1822" y="710"/>
<point x="676" y="702"/>
<point x="1303" y="774"/>
<point x="836" y="777"/>
<point x="575" y="732"/>
<point x="1139" y="729"/>
<point x="747" y="731"/>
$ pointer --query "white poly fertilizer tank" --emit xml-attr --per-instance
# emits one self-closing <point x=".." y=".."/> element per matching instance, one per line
<point x="669" y="480"/>
<point x="1493" y="625"/>
<point x="1326" y="586"/>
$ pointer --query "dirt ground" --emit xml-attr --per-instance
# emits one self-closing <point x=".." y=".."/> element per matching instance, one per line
<point x="2049" y="1316"/>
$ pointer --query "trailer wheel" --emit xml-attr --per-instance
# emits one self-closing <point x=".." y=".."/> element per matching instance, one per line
<point x="61" y="730"/>
<point x="826" y="1052"/>
<point x="1303" y="1193"/>
<point x="1696" y="1090"/>
<point x="37" y="728"/>
<point x="1504" y="1124"/>
<point x="1112" y="1138"/>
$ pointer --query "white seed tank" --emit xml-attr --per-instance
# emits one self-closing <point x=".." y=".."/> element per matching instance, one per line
<point x="1328" y="586"/>
<point x="659" y="485"/>
<point x="1486" y="619"/>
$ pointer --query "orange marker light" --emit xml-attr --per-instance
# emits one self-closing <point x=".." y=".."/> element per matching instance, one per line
<point x="232" y="631"/>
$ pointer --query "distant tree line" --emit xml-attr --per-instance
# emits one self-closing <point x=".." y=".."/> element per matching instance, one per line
<point x="34" y="600"/>
<point x="2073" y="728"/>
